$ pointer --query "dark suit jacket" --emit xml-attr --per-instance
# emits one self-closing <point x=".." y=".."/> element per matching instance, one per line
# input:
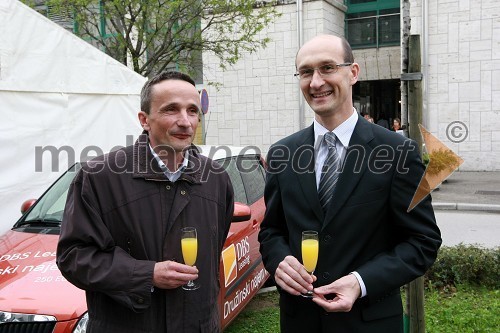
<point x="366" y="229"/>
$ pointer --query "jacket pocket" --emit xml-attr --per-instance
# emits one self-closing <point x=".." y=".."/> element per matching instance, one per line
<point x="386" y="307"/>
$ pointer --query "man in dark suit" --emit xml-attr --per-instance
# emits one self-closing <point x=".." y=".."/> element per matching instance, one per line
<point x="369" y="244"/>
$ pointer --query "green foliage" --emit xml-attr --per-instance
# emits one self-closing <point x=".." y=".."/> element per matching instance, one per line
<point x="465" y="264"/>
<point x="467" y="310"/>
<point x="260" y="316"/>
<point x="154" y="35"/>
<point x="462" y="295"/>
<point x="265" y="320"/>
<point x="439" y="160"/>
<point x="425" y="158"/>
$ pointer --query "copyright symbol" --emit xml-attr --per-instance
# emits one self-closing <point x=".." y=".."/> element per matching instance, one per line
<point x="457" y="131"/>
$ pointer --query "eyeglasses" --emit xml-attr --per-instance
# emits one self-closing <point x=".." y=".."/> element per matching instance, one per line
<point x="324" y="70"/>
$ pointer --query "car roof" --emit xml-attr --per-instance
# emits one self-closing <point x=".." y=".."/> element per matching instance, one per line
<point x="219" y="152"/>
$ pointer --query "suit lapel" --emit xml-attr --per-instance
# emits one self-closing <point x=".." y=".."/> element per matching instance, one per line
<point x="303" y="161"/>
<point x="355" y="163"/>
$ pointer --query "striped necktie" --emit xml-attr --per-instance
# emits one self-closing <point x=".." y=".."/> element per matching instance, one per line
<point x="329" y="172"/>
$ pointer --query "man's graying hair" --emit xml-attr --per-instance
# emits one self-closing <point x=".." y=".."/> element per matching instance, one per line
<point x="163" y="76"/>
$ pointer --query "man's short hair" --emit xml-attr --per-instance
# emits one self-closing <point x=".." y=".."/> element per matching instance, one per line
<point x="348" y="56"/>
<point x="163" y="76"/>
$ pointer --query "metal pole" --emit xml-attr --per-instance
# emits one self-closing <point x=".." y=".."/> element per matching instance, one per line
<point x="405" y="33"/>
<point x="425" y="62"/>
<point x="300" y="41"/>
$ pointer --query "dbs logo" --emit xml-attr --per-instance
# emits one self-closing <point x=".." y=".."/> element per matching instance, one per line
<point x="229" y="261"/>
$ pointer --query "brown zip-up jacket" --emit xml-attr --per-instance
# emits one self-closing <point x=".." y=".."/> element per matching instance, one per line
<point x="121" y="217"/>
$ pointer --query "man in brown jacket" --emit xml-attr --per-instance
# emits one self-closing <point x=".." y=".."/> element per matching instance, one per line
<point x="120" y="237"/>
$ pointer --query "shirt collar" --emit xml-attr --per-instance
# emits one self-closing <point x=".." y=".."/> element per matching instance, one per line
<point x="343" y="132"/>
<point x="164" y="168"/>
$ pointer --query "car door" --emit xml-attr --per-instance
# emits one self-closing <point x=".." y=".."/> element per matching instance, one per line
<point x="241" y="263"/>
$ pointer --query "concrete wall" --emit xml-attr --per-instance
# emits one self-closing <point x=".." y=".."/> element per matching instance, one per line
<point x="259" y="101"/>
<point x="379" y="64"/>
<point x="462" y="76"/>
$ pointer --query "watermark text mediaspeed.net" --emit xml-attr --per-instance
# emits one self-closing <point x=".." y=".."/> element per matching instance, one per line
<point x="377" y="160"/>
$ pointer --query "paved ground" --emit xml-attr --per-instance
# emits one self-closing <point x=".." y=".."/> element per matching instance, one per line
<point x="469" y="191"/>
<point x="469" y="227"/>
<point x="467" y="208"/>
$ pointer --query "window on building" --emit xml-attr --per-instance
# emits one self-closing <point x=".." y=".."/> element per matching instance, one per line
<point x="373" y="23"/>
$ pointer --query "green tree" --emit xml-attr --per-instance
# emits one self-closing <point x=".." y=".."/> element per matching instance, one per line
<point x="153" y="35"/>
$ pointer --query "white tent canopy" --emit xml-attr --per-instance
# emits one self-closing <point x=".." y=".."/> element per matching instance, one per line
<point x="61" y="100"/>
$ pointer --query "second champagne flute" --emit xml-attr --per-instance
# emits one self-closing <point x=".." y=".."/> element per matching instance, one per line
<point x="310" y="249"/>
<point x="189" y="245"/>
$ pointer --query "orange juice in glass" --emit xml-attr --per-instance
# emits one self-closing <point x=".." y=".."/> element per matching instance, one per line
<point x="310" y="250"/>
<point x="189" y="246"/>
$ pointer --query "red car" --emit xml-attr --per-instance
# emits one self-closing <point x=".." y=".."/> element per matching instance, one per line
<point x="35" y="297"/>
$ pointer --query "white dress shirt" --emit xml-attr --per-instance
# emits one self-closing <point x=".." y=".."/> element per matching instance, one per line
<point x="172" y="176"/>
<point x="343" y="132"/>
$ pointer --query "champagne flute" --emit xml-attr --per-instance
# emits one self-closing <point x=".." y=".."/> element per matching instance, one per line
<point x="310" y="249"/>
<point x="189" y="245"/>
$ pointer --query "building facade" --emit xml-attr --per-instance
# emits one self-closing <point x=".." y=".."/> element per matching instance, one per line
<point x="260" y="102"/>
<point x="461" y="66"/>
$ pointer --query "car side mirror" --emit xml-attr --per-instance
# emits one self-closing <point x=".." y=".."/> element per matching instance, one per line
<point x="27" y="205"/>
<point x="241" y="213"/>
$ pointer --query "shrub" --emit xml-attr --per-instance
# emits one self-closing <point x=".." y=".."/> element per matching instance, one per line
<point x="465" y="264"/>
<point x="441" y="159"/>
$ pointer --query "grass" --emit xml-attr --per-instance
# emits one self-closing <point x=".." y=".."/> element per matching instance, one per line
<point x="260" y="316"/>
<point x="466" y="309"/>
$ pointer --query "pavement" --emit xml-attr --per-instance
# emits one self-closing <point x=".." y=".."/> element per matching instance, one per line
<point x="469" y="191"/>
<point x="467" y="208"/>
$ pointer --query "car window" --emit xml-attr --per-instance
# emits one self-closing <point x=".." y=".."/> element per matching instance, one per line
<point x="252" y="173"/>
<point x="51" y="205"/>
<point x="239" y="190"/>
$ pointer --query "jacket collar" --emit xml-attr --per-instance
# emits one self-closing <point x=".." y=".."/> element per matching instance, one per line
<point x="146" y="166"/>
<point x="305" y="156"/>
